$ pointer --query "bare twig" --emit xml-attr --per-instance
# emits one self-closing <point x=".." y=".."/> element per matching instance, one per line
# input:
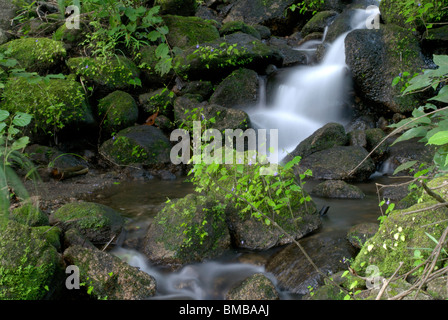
<point x="386" y="283"/>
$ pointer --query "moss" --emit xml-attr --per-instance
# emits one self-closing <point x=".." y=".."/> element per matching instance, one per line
<point x="29" y="214"/>
<point x="35" y="54"/>
<point x="179" y="7"/>
<point x="235" y="26"/>
<point x="29" y="265"/>
<point x="399" y="235"/>
<point x="193" y="228"/>
<point x="53" y="104"/>
<point x="67" y="35"/>
<point x="114" y="73"/>
<point x="119" y="111"/>
<point x="189" y="31"/>
<point x="87" y="215"/>
<point x="51" y="234"/>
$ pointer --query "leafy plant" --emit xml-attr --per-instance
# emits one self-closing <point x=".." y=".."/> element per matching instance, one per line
<point x="11" y="157"/>
<point x="307" y="6"/>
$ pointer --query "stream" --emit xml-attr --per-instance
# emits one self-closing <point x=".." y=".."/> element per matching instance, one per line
<point x="310" y="97"/>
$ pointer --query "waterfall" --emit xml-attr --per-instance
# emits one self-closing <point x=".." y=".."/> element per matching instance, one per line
<point x="311" y="96"/>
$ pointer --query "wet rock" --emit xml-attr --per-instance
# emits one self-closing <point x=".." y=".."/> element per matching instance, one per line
<point x="95" y="221"/>
<point x="179" y="235"/>
<point x="118" y="110"/>
<point x="360" y="233"/>
<point x="29" y="264"/>
<point x="53" y="158"/>
<point x="373" y="60"/>
<point x="109" y="276"/>
<point x="394" y="193"/>
<point x="374" y="137"/>
<point x="203" y="88"/>
<point x="139" y="144"/>
<point x="330" y="135"/>
<point x="73" y="237"/>
<point x="336" y="163"/>
<point x="256" y="287"/>
<point x="337" y="189"/>
<point x="291" y="57"/>
<point x="294" y="272"/>
<point x="237" y="90"/>
<point x="254" y="234"/>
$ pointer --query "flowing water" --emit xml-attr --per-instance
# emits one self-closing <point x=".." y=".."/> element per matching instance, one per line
<point x="310" y="97"/>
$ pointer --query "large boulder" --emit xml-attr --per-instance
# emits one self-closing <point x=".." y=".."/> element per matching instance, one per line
<point x="374" y="62"/>
<point x="30" y="266"/>
<point x="296" y="274"/>
<point x="337" y="163"/>
<point x="97" y="222"/>
<point x="108" y="277"/>
<point x="217" y="59"/>
<point x="400" y="234"/>
<point x="318" y="22"/>
<point x="189" y="31"/>
<point x="337" y="189"/>
<point x="55" y="104"/>
<point x="239" y="89"/>
<point x="138" y="144"/>
<point x="187" y="230"/>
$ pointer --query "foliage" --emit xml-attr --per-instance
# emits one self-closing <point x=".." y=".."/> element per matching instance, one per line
<point x="306" y="6"/>
<point x="126" y="25"/>
<point x="231" y="55"/>
<point x="426" y="13"/>
<point x="11" y="156"/>
<point x="432" y="127"/>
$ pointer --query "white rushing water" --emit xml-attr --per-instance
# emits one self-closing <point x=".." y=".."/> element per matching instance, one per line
<point x="311" y="96"/>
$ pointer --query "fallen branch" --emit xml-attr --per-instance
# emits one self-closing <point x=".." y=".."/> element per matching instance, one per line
<point x="386" y="283"/>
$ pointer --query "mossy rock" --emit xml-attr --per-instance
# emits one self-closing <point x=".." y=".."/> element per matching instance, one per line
<point x="189" y="31"/>
<point x="54" y="105"/>
<point x="35" y="54"/>
<point x="108" y="277"/>
<point x="30" y="266"/>
<point x="399" y="235"/>
<point x="216" y="59"/>
<point x="159" y="100"/>
<point x="318" y="22"/>
<point x="113" y="74"/>
<point x="52" y="234"/>
<point x="139" y="144"/>
<point x="147" y="62"/>
<point x="236" y="26"/>
<point x="177" y="7"/>
<point x="239" y="89"/>
<point x="99" y="223"/>
<point x="187" y="230"/>
<point x="30" y="215"/>
<point x="360" y="233"/>
<point x="255" y="287"/>
<point x="374" y="137"/>
<point x="118" y="111"/>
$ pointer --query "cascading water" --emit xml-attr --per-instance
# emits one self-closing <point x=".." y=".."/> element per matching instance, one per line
<point x="311" y="96"/>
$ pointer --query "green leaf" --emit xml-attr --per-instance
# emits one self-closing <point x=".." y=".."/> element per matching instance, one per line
<point x="442" y="96"/>
<point x="404" y="166"/>
<point x="412" y="133"/>
<point x="20" y="143"/>
<point x="22" y="119"/>
<point x="440" y="60"/>
<point x="162" y="50"/>
<point x="440" y="138"/>
<point x="3" y="115"/>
